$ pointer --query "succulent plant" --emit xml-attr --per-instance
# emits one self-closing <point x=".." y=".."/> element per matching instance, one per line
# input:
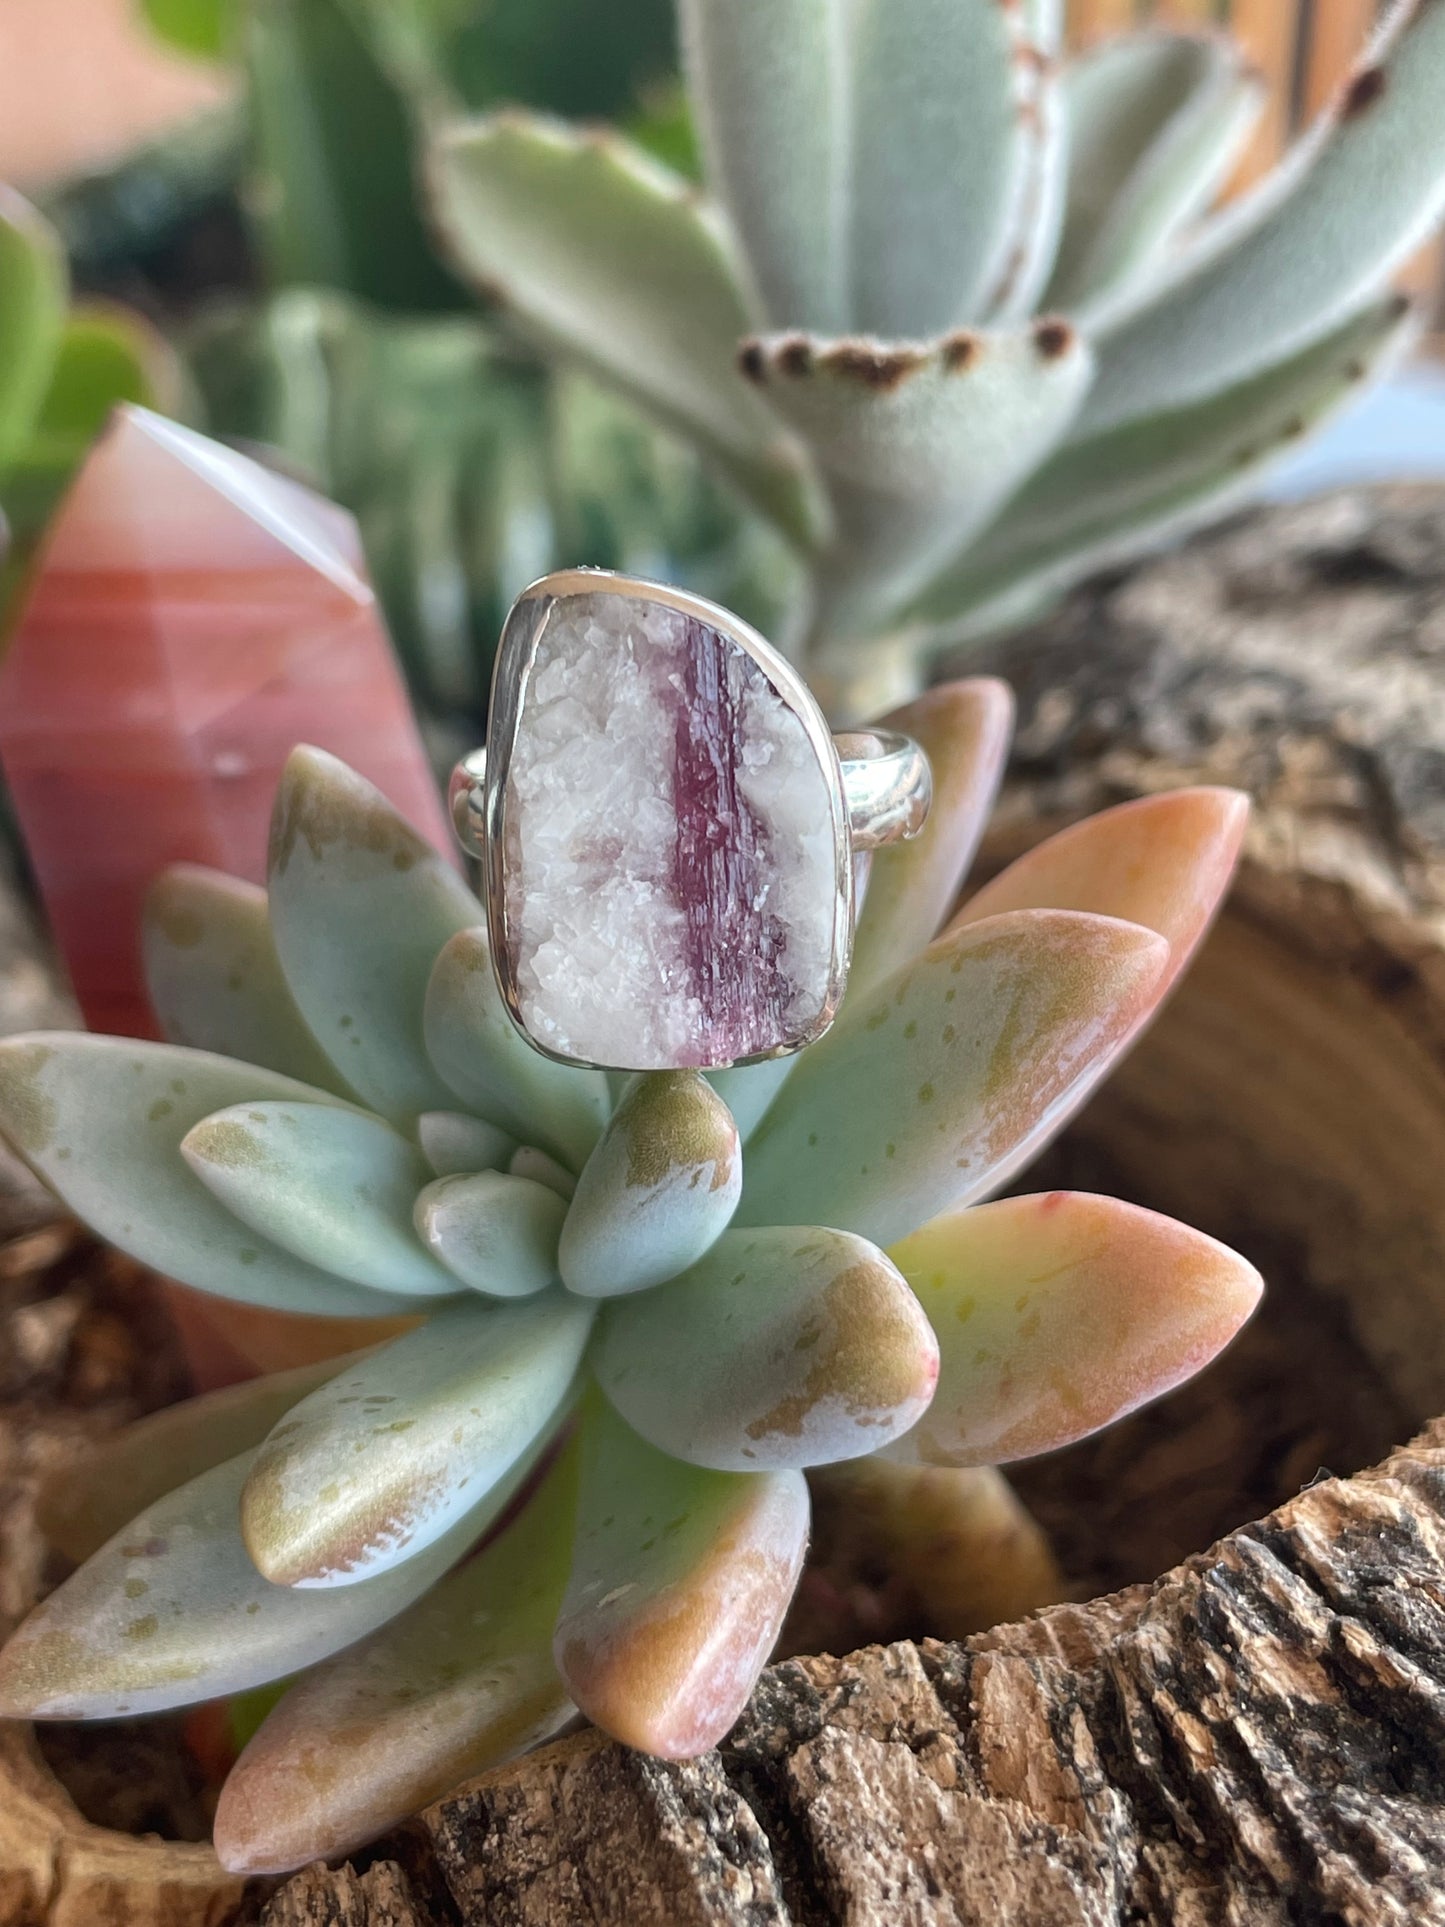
<point x="634" y="1313"/>
<point x="953" y="312"/>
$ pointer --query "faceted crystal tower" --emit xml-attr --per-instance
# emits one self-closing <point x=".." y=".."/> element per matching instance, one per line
<point x="192" y="617"/>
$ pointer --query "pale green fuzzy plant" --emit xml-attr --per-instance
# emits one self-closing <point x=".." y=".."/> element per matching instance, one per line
<point x="639" y="1311"/>
<point x="958" y="313"/>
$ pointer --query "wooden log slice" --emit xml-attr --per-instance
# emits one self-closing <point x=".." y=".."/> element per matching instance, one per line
<point x="1257" y="1736"/>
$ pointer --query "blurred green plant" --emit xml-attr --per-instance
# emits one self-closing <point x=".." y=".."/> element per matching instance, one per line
<point x="63" y="367"/>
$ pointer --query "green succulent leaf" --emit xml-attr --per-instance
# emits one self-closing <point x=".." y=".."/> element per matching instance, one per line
<point x="680" y="1580"/>
<point x="920" y="446"/>
<point x="769" y="84"/>
<point x="964" y="729"/>
<point x="460" y="1682"/>
<point x="492" y="1068"/>
<point x="336" y="202"/>
<point x="334" y="1187"/>
<point x="748" y="1090"/>
<point x="658" y="1190"/>
<point x="34" y="289"/>
<point x="215" y="980"/>
<point x="360" y="906"/>
<point x="941" y="160"/>
<point x="924" y="1088"/>
<point x="102" y="1118"/>
<point x="172" y="1611"/>
<point x="609" y="260"/>
<point x="452" y="1142"/>
<point x="1307" y="249"/>
<point x="495" y="1232"/>
<point x="781" y="1348"/>
<point x="1155" y="121"/>
<point x="1058" y="1314"/>
<point x="371" y="1469"/>
<point x="84" y="1501"/>
<point x="204" y="28"/>
<point x="1102" y="498"/>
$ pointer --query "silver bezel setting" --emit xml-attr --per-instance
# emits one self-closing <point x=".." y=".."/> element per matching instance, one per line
<point x="516" y="655"/>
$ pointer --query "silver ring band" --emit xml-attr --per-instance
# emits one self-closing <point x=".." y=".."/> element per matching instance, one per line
<point x="667" y="831"/>
<point x="887" y="784"/>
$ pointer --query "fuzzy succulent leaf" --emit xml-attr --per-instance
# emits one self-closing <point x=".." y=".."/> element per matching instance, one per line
<point x="1155" y="122"/>
<point x="360" y="906"/>
<point x="333" y="1187"/>
<point x="924" y="1088"/>
<point x="768" y="81"/>
<point x="964" y="729"/>
<point x="102" y="1118"/>
<point x="748" y="1090"/>
<point x="452" y="1143"/>
<point x="657" y="1192"/>
<point x="942" y="154"/>
<point x="1056" y="1315"/>
<point x="609" y="259"/>
<point x="492" y="1068"/>
<point x="461" y="1681"/>
<point x="1311" y="246"/>
<point x="378" y="1463"/>
<point x="494" y="1231"/>
<point x="86" y="1500"/>
<point x="782" y="1348"/>
<point x="1101" y="498"/>
<point x="172" y="1610"/>
<point x="680" y="1580"/>
<point x="920" y="446"/>
<point x="215" y="981"/>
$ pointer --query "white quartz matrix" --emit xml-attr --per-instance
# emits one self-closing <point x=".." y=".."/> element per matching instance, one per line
<point x="671" y="870"/>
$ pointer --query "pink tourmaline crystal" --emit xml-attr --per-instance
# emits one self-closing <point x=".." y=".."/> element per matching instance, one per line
<point x="192" y="618"/>
<point x="671" y="851"/>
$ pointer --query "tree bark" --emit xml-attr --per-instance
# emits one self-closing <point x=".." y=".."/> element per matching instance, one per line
<point x="1257" y="1737"/>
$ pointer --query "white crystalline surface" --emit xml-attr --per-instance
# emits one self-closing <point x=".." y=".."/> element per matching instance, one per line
<point x="671" y="875"/>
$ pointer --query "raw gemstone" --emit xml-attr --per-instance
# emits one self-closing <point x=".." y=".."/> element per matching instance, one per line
<point x="671" y="858"/>
<point x="192" y="618"/>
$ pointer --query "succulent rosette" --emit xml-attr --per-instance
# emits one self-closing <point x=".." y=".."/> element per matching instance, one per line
<point x="636" y="1311"/>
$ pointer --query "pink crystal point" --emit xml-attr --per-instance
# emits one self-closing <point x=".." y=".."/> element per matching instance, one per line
<point x="192" y="617"/>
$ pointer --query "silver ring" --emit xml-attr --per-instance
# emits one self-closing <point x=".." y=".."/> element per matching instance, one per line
<point x="667" y="830"/>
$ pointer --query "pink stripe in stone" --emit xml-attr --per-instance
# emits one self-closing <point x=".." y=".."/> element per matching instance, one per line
<point x="732" y="947"/>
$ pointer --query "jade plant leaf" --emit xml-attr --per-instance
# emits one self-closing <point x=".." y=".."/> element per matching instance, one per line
<point x="658" y="1190"/>
<point x="923" y="1088"/>
<point x="920" y="445"/>
<point x="1056" y="1315"/>
<point x="334" y="1187"/>
<point x="494" y="1231"/>
<point x="172" y="1610"/>
<point x="769" y="86"/>
<point x="360" y="906"/>
<point x="491" y="1067"/>
<point x="680" y="1580"/>
<point x="1307" y="249"/>
<point x="86" y="1500"/>
<point x="1103" y="496"/>
<point x="609" y="259"/>
<point x="102" y="1118"/>
<point x="461" y="1681"/>
<point x="376" y="1465"/>
<point x="782" y="1348"/>
<point x="215" y="980"/>
<point x="963" y="729"/>
<point x="940" y="163"/>
<point x="1155" y="122"/>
